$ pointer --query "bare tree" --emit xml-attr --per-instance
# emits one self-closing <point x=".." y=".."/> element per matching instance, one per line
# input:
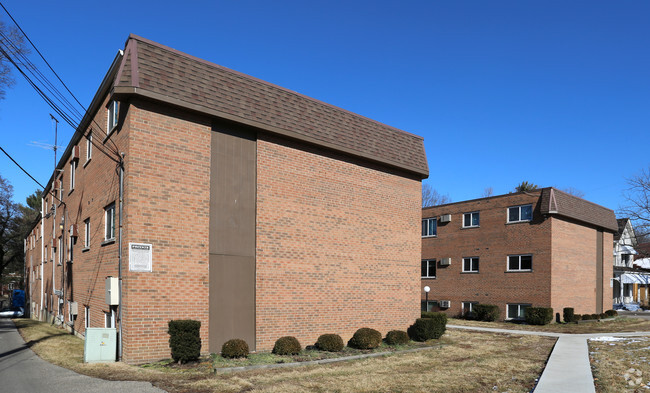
<point x="487" y="192"/>
<point x="637" y="203"/>
<point x="431" y="197"/>
<point x="573" y="191"/>
<point x="11" y="242"/>
<point x="11" y="46"/>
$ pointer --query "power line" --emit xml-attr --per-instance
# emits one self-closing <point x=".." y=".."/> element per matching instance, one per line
<point x="23" y="169"/>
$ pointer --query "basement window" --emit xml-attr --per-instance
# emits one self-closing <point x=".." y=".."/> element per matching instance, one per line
<point x="516" y="311"/>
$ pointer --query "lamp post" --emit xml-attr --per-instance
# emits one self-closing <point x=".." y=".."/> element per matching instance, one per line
<point x="426" y="291"/>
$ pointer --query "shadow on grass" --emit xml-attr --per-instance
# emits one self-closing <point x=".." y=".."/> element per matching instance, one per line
<point x="26" y="323"/>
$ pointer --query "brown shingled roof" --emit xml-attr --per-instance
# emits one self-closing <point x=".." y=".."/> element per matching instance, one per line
<point x="556" y="202"/>
<point x="158" y="72"/>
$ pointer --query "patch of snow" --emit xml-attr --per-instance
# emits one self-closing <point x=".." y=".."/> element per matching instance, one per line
<point x="607" y="339"/>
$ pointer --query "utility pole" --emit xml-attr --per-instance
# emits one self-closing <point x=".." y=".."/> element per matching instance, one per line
<point x="56" y="126"/>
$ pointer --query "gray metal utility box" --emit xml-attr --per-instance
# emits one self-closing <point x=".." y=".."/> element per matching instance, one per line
<point x="100" y="345"/>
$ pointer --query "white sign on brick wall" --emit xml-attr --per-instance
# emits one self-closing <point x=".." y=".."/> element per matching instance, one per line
<point x="140" y="257"/>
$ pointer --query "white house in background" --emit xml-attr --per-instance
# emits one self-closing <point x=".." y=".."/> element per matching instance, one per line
<point x="630" y="282"/>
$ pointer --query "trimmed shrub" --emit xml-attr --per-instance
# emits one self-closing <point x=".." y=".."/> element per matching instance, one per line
<point x="602" y="316"/>
<point x="427" y="314"/>
<point x="287" y="345"/>
<point x="235" y="348"/>
<point x="538" y="315"/>
<point x="577" y="317"/>
<point x="568" y="315"/>
<point x="611" y="313"/>
<point x="594" y="316"/>
<point x="586" y="317"/>
<point x="397" y="337"/>
<point x="428" y="328"/>
<point x="329" y="343"/>
<point x="486" y="312"/>
<point x="365" y="338"/>
<point x="184" y="339"/>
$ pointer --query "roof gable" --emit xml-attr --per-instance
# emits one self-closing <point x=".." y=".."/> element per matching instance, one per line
<point x="556" y="202"/>
<point x="162" y="73"/>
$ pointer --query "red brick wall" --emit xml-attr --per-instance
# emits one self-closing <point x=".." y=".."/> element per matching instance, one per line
<point x="337" y="245"/>
<point x="167" y="205"/>
<point x="492" y="242"/>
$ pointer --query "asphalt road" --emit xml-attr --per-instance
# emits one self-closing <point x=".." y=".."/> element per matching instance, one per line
<point x="21" y="371"/>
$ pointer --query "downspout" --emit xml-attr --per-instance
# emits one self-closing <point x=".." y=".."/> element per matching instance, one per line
<point x="119" y="258"/>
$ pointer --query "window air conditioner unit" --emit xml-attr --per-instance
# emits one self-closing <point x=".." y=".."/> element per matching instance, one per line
<point x="74" y="308"/>
<point x="73" y="230"/>
<point x="445" y="303"/>
<point x="445" y="262"/>
<point x="445" y="218"/>
<point x="74" y="153"/>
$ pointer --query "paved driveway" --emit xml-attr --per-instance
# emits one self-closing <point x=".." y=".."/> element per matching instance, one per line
<point x="22" y="371"/>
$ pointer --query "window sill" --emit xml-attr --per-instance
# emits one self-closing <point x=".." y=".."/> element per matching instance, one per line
<point x="108" y="241"/>
<point x="517" y="222"/>
<point x="70" y="192"/>
<point x="469" y="272"/>
<point x="473" y="226"/>
<point x="87" y="161"/>
<point x="429" y="237"/>
<point x="428" y="278"/>
<point x="519" y="271"/>
<point x="85" y="249"/>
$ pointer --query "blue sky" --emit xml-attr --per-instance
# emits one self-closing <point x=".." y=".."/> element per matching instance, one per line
<point x="553" y="92"/>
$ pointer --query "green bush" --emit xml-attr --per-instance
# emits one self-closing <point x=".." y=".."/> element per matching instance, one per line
<point x="602" y="316"/>
<point x="594" y="316"/>
<point x="234" y="348"/>
<point x="587" y="317"/>
<point x="287" y="346"/>
<point x="427" y="314"/>
<point x="428" y="328"/>
<point x="568" y="315"/>
<point x="184" y="340"/>
<point x="365" y="338"/>
<point x="538" y="315"/>
<point x="611" y="313"/>
<point x="329" y="343"/>
<point x="486" y="312"/>
<point x="577" y="317"/>
<point x="397" y="337"/>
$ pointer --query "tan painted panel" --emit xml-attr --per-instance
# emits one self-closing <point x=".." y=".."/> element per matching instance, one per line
<point x="232" y="300"/>
<point x="232" y="192"/>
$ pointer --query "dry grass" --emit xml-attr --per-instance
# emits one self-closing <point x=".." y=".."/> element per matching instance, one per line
<point x="619" y="324"/>
<point x="610" y="360"/>
<point x="468" y="362"/>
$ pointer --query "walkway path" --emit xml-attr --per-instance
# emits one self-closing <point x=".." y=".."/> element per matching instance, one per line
<point x="22" y="371"/>
<point x="568" y="368"/>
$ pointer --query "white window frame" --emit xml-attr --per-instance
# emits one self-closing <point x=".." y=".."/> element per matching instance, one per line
<point x="471" y="308"/>
<point x="87" y="233"/>
<point x="60" y="250"/>
<point x="109" y="319"/>
<point x="426" y="233"/>
<point x="471" y="219"/>
<point x="109" y="222"/>
<point x="519" y="219"/>
<point x="113" y="113"/>
<point x="89" y="146"/>
<point x="427" y="303"/>
<point x="519" y="258"/>
<point x="429" y="262"/>
<point x="71" y="240"/>
<point x="73" y="172"/>
<point x="520" y="310"/>
<point x="471" y="260"/>
<point x="86" y="317"/>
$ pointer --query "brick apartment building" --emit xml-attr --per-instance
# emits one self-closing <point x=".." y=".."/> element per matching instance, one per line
<point x="543" y="248"/>
<point x="256" y="210"/>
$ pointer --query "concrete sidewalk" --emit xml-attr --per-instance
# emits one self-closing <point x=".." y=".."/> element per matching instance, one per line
<point x="568" y="368"/>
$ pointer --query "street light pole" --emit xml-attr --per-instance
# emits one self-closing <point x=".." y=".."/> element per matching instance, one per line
<point x="426" y="291"/>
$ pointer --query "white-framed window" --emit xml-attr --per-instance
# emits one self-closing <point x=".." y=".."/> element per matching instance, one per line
<point x="61" y="188"/>
<point x="89" y="146"/>
<point x="113" y="112"/>
<point x="471" y="220"/>
<point x="428" y="268"/>
<point x="429" y="227"/>
<point x="86" y="316"/>
<point x="467" y="308"/>
<point x="520" y="213"/>
<point x="516" y="311"/>
<point x="429" y="305"/>
<point x="109" y="220"/>
<point x="61" y="251"/>
<point x="520" y="263"/>
<point x="71" y="243"/>
<point x="470" y="265"/>
<point x="73" y="173"/>
<point x="87" y="233"/>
